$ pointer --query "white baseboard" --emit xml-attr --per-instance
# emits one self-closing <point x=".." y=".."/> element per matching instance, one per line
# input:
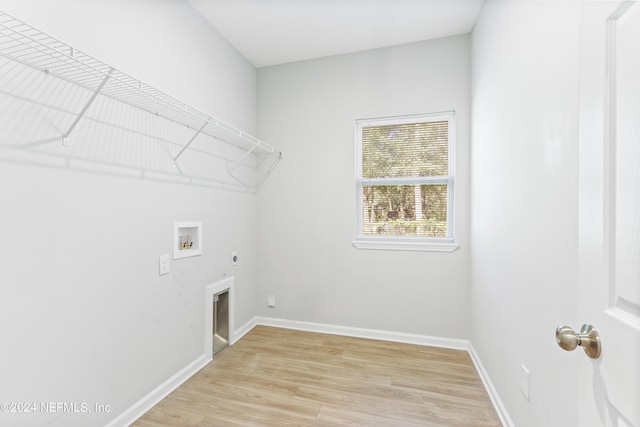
<point x="244" y="329"/>
<point x="455" y="344"/>
<point x="147" y="402"/>
<point x="491" y="391"/>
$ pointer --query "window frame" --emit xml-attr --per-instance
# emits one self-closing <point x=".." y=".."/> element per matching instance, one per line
<point x="407" y="243"/>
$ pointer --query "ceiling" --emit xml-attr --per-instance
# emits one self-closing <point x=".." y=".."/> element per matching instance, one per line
<point x="270" y="32"/>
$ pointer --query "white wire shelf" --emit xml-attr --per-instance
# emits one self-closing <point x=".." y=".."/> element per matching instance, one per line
<point x="51" y="92"/>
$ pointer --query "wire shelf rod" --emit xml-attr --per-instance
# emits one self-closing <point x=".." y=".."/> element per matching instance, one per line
<point x="219" y="124"/>
<point x="48" y="49"/>
<point x="68" y="86"/>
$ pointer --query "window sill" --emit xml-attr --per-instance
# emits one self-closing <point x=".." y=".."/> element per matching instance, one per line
<point x="406" y="245"/>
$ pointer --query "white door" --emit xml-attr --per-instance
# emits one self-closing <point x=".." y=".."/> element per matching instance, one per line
<point x="609" y="212"/>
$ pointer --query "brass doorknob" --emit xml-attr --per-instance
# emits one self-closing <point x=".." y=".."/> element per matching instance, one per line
<point x="588" y="339"/>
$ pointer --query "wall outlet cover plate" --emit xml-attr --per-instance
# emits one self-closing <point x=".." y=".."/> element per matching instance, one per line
<point x="164" y="264"/>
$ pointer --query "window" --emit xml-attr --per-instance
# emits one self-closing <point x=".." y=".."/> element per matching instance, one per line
<point x="405" y="183"/>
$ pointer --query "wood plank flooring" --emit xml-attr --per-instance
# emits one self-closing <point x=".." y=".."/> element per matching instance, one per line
<point x="282" y="377"/>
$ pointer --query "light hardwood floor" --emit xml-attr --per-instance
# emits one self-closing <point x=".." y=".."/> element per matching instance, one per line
<point x="281" y="377"/>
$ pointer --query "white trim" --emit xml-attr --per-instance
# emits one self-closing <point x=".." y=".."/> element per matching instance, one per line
<point x="451" y="170"/>
<point x="154" y="397"/>
<point x="405" y="245"/>
<point x="371" y="182"/>
<point x="245" y="329"/>
<point x="455" y="344"/>
<point x="625" y="317"/>
<point x="441" y="116"/>
<point x="617" y="307"/>
<point x="609" y="154"/>
<point x="505" y="419"/>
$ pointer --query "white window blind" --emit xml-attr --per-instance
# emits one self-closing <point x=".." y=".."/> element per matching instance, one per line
<point x="405" y="177"/>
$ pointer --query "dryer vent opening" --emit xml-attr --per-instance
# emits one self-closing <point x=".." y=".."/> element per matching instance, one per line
<point x="220" y="321"/>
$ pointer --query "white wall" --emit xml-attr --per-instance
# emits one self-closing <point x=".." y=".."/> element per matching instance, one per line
<point x="524" y="203"/>
<point x="85" y="316"/>
<point x="87" y="319"/>
<point x="307" y="208"/>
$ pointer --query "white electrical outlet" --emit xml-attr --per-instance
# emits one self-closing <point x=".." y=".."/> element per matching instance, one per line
<point x="525" y="377"/>
<point x="271" y="300"/>
<point x="164" y="264"/>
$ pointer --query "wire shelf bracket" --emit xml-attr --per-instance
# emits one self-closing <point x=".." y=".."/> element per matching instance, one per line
<point x="193" y="139"/>
<point x="65" y="137"/>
